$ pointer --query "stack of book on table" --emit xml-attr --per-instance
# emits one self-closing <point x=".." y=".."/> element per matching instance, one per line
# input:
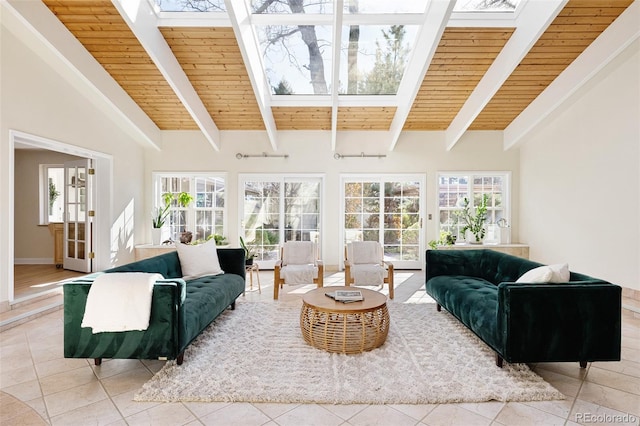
<point x="346" y="296"/>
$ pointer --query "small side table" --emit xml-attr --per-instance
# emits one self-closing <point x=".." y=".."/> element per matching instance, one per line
<point x="250" y="269"/>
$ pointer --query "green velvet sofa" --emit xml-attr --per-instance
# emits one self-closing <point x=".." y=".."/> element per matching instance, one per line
<point x="523" y="322"/>
<point x="180" y="310"/>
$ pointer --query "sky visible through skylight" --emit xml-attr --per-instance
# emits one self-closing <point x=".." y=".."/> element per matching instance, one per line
<point x="297" y="59"/>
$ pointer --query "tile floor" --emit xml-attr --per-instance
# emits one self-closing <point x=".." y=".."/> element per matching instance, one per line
<point x="39" y="386"/>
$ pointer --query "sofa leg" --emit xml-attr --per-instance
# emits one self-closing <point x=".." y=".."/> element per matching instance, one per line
<point x="583" y="364"/>
<point x="499" y="361"/>
<point x="180" y="358"/>
<point x="233" y="305"/>
<point x="97" y="361"/>
<point x="438" y="307"/>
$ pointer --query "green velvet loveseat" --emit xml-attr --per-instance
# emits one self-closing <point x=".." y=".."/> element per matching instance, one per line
<point x="180" y="310"/>
<point x="579" y="320"/>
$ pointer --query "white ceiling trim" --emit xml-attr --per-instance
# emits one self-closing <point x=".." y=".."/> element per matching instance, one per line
<point x="35" y="20"/>
<point x="193" y="19"/>
<point x="142" y="20"/>
<point x="435" y="21"/>
<point x="617" y="37"/>
<point x="335" y="77"/>
<point x="241" y="22"/>
<point x="536" y="16"/>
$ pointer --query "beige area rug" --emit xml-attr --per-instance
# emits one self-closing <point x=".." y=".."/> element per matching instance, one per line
<point x="257" y="354"/>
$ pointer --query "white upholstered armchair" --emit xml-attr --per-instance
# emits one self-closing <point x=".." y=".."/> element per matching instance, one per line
<point x="364" y="264"/>
<point x="298" y="264"/>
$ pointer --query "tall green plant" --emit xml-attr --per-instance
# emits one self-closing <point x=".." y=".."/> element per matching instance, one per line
<point x="160" y="214"/>
<point x="474" y="219"/>
<point x="248" y="251"/>
<point x="53" y="195"/>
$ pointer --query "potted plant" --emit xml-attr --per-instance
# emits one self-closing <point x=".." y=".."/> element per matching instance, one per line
<point x="249" y="252"/>
<point x="221" y="241"/>
<point x="446" y="239"/>
<point x="158" y="218"/>
<point x="160" y="214"/>
<point x="474" y="219"/>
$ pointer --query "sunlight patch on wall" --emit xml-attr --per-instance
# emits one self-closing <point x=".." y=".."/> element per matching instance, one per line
<point x="122" y="234"/>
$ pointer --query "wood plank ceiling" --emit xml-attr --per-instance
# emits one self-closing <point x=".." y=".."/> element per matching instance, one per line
<point x="212" y="60"/>
<point x="104" y="33"/>
<point x="572" y="31"/>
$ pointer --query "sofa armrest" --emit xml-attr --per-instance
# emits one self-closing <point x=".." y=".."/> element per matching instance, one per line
<point x="161" y="339"/>
<point x="232" y="261"/>
<point x="575" y="321"/>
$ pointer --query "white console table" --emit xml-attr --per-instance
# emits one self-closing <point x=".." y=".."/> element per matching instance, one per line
<point x="520" y="250"/>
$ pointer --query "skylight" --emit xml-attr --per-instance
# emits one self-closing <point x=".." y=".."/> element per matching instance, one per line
<point x="295" y="41"/>
<point x="485" y="5"/>
<point x="191" y="5"/>
<point x="296" y="59"/>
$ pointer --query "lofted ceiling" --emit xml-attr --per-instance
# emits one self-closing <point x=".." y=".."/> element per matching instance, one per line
<point x="473" y="71"/>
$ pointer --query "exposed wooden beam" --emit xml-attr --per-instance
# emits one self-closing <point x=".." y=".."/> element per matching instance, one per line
<point x="533" y="19"/>
<point x="141" y="18"/>
<point x="620" y="34"/>
<point x="240" y="17"/>
<point x="435" y="21"/>
<point x="47" y="36"/>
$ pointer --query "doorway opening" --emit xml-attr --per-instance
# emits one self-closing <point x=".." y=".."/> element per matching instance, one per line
<point x="39" y="246"/>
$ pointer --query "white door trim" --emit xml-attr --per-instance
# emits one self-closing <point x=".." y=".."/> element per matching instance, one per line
<point x="104" y="182"/>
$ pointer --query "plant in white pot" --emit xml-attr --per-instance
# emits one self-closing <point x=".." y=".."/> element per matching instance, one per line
<point x="474" y="219"/>
<point x="160" y="214"/>
<point x="159" y="217"/>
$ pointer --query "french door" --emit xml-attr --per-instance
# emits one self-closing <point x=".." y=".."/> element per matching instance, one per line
<point x="78" y="208"/>
<point x="279" y="208"/>
<point x="387" y="209"/>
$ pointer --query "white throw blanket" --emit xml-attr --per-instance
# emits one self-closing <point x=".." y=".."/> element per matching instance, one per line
<point x="120" y="302"/>
<point x="297" y="253"/>
<point x="368" y="274"/>
<point x="365" y="252"/>
<point x="299" y="274"/>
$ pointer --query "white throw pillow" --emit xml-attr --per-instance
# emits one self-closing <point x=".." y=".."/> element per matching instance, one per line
<point x="560" y="273"/>
<point x="199" y="260"/>
<point x="541" y="274"/>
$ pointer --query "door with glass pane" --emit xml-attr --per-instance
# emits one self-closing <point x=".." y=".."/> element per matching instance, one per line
<point x="387" y="209"/>
<point x="279" y="209"/>
<point x="78" y="208"/>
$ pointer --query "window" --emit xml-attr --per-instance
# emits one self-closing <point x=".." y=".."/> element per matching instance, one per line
<point x="204" y="216"/>
<point x="453" y="188"/>
<point x="386" y="209"/>
<point x="51" y="193"/>
<point x="278" y="208"/>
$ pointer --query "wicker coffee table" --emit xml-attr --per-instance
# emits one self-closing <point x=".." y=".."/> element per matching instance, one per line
<point x="347" y="328"/>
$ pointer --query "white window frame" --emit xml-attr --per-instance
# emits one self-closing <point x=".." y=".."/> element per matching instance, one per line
<point x="282" y="178"/>
<point x="471" y="175"/>
<point x="191" y="209"/>
<point x="44" y="191"/>
<point x="420" y="177"/>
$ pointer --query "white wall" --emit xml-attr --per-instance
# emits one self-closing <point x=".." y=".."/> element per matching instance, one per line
<point x="310" y="152"/>
<point x="33" y="243"/>
<point x="580" y="178"/>
<point x="37" y="101"/>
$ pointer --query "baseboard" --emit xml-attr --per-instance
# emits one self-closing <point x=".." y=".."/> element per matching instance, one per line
<point x="33" y="261"/>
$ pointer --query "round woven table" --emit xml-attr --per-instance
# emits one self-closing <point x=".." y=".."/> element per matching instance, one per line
<point x="347" y="328"/>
